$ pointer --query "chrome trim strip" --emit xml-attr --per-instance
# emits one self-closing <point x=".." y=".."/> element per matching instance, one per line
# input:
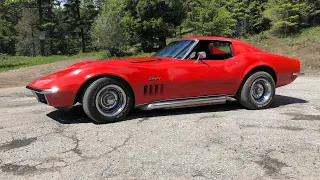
<point x="45" y="96"/>
<point x="192" y="102"/>
<point x="35" y="95"/>
<point x="46" y="91"/>
<point x="298" y="74"/>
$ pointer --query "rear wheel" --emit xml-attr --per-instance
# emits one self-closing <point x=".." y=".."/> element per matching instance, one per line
<point x="107" y="100"/>
<point x="258" y="91"/>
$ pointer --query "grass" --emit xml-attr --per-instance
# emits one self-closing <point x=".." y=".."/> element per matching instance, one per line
<point x="15" y="62"/>
<point x="264" y="38"/>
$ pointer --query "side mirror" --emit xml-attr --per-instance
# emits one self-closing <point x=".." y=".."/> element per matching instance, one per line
<point x="201" y="55"/>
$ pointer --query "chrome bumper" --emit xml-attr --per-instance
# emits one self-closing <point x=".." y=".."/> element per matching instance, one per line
<point x="297" y="74"/>
<point x="46" y="91"/>
<point x="41" y="94"/>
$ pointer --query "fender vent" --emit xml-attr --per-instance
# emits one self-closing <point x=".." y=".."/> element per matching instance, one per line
<point x="153" y="89"/>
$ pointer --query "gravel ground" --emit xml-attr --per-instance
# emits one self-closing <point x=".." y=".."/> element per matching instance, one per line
<point x="214" y="142"/>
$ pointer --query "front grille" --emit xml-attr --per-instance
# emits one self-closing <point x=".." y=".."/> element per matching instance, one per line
<point x="41" y="98"/>
<point x="33" y="89"/>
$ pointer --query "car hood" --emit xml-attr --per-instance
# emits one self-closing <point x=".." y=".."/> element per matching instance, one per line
<point x="46" y="82"/>
<point x="125" y="61"/>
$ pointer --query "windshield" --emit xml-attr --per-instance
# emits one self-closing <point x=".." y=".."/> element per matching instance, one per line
<point x="176" y="49"/>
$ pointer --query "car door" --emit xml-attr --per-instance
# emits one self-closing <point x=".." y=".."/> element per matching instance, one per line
<point x="218" y="74"/>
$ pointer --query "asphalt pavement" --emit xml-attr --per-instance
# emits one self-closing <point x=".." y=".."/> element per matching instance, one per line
<point x="212" y="142"/>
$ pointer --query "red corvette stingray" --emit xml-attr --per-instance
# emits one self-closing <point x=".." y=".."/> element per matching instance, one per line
<point x="188" y="72"/>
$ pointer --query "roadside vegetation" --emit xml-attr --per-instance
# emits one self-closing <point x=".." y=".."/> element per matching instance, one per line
<point x="36" y="31"/>
<point x="304" y="46"/>
<point x="14" y="62"/>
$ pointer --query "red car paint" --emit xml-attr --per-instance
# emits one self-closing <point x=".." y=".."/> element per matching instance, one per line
<point x="157" y="78"/>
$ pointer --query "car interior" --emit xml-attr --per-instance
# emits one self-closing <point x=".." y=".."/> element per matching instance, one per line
<point x="215" y="50"/>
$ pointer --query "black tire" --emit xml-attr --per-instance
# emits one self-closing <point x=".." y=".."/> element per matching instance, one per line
<point x="250" y="91"/>
<point x="95" y="100"/>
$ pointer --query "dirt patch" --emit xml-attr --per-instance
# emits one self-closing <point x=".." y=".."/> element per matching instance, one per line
<point x="18" y="169"/>
<point x="291" y="128"/>
<point x="23" y="76"/>
<point x="270" y="165"/>
<point x="17" y="143"/>
<point x="304" y="117"/>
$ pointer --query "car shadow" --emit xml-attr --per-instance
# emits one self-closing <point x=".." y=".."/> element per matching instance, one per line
<point x="76" y="115"/>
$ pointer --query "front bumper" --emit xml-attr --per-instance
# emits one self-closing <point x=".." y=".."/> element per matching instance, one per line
<point x="41" y="94"/>
<point x="53" y="97"/>
<point x="46" y="91"/>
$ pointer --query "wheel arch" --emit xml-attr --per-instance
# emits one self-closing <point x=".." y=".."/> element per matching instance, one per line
<point x="264" y="68"/>
<point x="84" y="86"/>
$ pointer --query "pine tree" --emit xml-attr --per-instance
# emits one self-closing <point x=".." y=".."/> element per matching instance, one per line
<point x="9" y="16"/>
<point x="209" y="17"/>
<point x="249" y="16"/>
<point x="28" y="33"/>
<point x="287" y="16"/>
<point x="73" y="22"/>
<point x="108" y="29"/>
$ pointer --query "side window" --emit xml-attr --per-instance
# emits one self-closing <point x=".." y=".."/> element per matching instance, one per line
<point x="215" y="50"/>
<point x="219" y="50"/>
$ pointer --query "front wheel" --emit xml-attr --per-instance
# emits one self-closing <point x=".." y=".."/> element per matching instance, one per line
<point x="258" y="91"/>
<point x="107" y="100"/>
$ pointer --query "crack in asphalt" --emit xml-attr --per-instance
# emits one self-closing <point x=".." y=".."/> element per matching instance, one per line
<point x="199" y="174"/>
<point x="206" y="117"/>
<point x="121" y="145"/>
<point x="249" y="126"/>
<point x="115" y="148"/>
<point x="76" y="148"/>
<point x="289" y="128"/>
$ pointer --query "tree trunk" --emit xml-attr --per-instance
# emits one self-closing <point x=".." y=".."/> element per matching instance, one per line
<point x="50" y="16"/>
<point x="33" y="45"/>
<point x="83" y="43"/>
<point x="40" y="26"/>
<point x="162" y="42"/>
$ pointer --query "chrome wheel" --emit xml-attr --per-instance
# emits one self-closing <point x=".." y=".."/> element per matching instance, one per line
<point x="111" y="100"/>
<point x="260" y="91"/>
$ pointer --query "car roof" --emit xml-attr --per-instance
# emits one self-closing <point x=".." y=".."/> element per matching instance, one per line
<point x="236" y="42"/>
<point x="214" y="38"/>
